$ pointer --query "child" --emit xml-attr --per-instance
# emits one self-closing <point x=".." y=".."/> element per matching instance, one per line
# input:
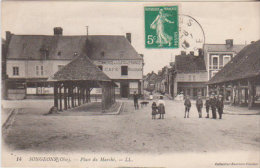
<point x="187" y="105"/>
<point x="207" y="105"/>
<point x="154" y="111"/>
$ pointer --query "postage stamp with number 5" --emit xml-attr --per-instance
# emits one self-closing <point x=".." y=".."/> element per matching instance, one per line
<point x="161" y="27"/>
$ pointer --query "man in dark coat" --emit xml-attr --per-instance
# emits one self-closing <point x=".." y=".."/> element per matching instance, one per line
<point x="136" y="96"/>
<point x="199" y="105"/>
<point x="207" y="105"/>
<point x="187" y="105"/>
<point x="213" y="105"/>
<point x="220" y="106"/>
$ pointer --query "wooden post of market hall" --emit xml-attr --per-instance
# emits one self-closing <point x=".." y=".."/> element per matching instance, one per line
<point x="73" y="83"/>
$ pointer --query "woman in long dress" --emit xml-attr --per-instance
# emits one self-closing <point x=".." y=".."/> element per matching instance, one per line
<point x="158" y="24"/>
<point x="161" y="107"/>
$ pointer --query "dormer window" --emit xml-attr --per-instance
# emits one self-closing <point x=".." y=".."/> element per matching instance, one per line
<point x="45" y="52"/>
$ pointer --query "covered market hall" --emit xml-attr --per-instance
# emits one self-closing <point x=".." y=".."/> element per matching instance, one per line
<point x="74" y="82"/>
<point x="239" y="80"/>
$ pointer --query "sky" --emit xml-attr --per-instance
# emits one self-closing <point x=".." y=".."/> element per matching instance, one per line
<point x="220" y="21"/>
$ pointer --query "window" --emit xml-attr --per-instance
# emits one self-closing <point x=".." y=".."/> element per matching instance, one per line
<point x="188" y="92"/>
<point x="133" y="87"/>
<point x="189" y="77"/>
<point x="59" y="53"/>
<point x="60" y="67"/>
<point x="202" y="92"/>
<point x="16" y="85"/>
<point x="100" y="67"/>
<point x="194" y="77"/>
<point x="124" y="70"/>
<point x="215" y="62"/>
<point x="226" y="59"/>
<point x="15" y="71"/>
<point x="39" y="70"/>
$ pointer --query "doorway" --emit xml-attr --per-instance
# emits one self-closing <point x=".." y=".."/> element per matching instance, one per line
<point x="195" y="93"/>
<point x="124" y="89"/>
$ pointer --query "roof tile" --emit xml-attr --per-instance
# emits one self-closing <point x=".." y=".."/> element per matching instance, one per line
<point x="66" y="47"/>
<point x="81" y="68"/>
<point x="189" y="63"/>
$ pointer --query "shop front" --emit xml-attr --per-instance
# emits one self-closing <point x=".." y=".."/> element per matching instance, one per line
<point x="193" y="90"/>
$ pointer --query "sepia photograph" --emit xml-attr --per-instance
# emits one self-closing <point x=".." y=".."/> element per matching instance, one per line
<point x="130" y="84"/>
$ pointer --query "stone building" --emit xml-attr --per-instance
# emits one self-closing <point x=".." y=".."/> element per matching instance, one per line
<point x="149" y="81"/>
<point x="159" y="82"/>
<point x="191" y="75"/>
<point x="218" y="55"/>
<point x="164" y="81"/>
<point x="32" y="59"/>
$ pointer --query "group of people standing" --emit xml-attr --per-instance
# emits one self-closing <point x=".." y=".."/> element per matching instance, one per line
<point x="214" y="103"/>
<point x="158" y="108"/>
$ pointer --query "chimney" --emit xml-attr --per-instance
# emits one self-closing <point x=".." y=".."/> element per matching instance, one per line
<point x="200" y="52"/>
<point x="57" y="31"/>
<point x="192" y="53"/>
<point x="252" y="42"/>
<point x="128" y="37"/>
<point x="183" y="52"/>
<point x="8" y="36"/>
<point x="141" y="55"/>
<point x="229" y="43"/>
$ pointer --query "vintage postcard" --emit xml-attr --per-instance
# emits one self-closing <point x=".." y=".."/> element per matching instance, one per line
<point x="130" y="84"/>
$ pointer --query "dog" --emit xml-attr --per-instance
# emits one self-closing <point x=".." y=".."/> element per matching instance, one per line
<point x="144" y="103"/>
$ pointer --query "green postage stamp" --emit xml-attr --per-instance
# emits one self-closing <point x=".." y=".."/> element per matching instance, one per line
<point x="161" y="27"/>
